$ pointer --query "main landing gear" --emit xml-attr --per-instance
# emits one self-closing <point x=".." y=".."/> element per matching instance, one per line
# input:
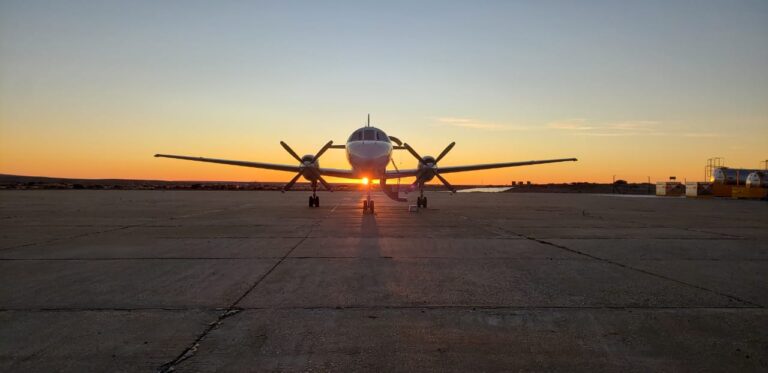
<point x="421" y="201"/>
<point x="314" y="199"/>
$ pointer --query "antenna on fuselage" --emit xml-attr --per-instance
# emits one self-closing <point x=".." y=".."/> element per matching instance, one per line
<point x="369" y="120"/>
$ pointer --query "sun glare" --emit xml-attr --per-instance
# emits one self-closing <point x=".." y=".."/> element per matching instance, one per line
<point x="364" y="181"/>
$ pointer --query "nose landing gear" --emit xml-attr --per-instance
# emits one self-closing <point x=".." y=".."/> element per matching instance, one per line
<point x="368" y="204"/>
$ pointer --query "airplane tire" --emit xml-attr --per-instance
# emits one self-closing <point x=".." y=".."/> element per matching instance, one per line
<point x="317" y="201"/>
<point x="371" y="206"/>
<point x="365" y="206"/>
<point x="311" y="201"/>
<point x="424" y="202"/>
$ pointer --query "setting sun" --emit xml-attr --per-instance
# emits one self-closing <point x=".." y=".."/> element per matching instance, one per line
<point x="364" y="181"/>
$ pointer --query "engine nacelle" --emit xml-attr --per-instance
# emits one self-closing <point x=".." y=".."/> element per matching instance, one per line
<point x="312" y="166"/>
<point x="425" y="169"/>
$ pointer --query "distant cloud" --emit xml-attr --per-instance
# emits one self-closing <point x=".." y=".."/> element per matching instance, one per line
<point x="476" y="124"/>
<point x="572" y="125"/>
<point x="703" y="134"/>
<point x="584" y="127"/>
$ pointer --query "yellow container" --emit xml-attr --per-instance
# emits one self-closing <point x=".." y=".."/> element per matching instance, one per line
<point x="722" y="190"/>
<point x="750" y="193"/>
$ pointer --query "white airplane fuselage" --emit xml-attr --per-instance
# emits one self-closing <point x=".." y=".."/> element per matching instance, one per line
<point x="369" y="151"/>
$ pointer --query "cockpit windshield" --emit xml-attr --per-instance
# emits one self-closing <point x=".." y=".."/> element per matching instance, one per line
<point x="369" y="134"/>
<point x="356" y="136"/>
<point x="381" y="136"/>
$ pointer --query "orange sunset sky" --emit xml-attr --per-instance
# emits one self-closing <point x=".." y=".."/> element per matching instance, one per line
<point x="92" y="89"/>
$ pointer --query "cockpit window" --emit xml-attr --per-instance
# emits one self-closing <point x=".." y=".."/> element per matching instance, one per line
<point x="369" y="135"/>
<point x="381" y="136"/>
<point x="356" y="136"/>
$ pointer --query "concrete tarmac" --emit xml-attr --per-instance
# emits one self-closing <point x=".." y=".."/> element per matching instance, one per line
<point x="257" y="281"/>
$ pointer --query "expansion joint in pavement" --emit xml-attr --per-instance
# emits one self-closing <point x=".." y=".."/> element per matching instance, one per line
<point x="732" y="297"/>
<point x="233" y="308"/>
<point x="608" y="261"/>
<point x="87" y="234"/>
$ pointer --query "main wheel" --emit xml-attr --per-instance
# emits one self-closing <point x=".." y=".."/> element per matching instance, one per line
<point x="311" y="201"/>
<point x="424" y="202"/>
<point x="317" y="201"/>
<point x="365" y="206"/>
<point x="371" y="206"/>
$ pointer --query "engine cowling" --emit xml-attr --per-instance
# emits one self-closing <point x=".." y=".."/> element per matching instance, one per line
<point x="426" y="172"/>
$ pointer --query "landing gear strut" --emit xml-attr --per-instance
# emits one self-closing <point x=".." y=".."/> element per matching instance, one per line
<point x="314" y="199"/>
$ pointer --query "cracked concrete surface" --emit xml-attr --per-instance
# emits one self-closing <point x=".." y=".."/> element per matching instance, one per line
<point x="254" y="281"/>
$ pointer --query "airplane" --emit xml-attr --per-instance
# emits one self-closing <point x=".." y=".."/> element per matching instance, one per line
<point x="369" y="152"/>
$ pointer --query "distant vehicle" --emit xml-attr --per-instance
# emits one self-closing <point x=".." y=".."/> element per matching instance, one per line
<point x="369" y="151"/>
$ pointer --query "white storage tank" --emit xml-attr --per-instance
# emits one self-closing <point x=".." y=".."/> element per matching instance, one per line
<point x="731" y="176"/>
<point x="757" y="179"/>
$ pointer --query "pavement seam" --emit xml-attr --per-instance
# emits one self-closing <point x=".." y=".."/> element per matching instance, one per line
<point x="233" y="309"/>
<point x="622" y="265"/>
<point x="70" y="237"/>
<point x="380" y="307"/>
<point x="726" y="235"/>
<point x="625" y="266"/>
<point x="118" y="228"/>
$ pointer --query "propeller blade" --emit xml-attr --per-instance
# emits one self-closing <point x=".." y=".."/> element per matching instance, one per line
<point x="289" y="150"/>
<point x="445" y="151"/>
<point x="413" y="153"/>
<point x="325" y="184"/>
<point x="293" y="181"/>
<point x="323" y="149"/>
<point x="447" y="184"/>
<point x="396" y="140"/>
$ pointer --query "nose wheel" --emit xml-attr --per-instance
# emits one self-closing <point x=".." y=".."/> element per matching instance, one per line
<point x="369" y="205"/>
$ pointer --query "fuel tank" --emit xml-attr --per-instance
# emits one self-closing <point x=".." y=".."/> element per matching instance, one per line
<point x="731" y="176"/>
<point x="757" y="179"/>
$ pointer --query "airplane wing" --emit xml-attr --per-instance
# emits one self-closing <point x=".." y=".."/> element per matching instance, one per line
<point x="269" y="166"/>
<point x="445" y="170"/>
<point x="475" y="167"/>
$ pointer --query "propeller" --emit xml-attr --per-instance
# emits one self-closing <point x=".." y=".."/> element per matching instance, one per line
<point x="429" y="164"/>
<point x="307" y="166"/>
<point x="396" y="140"/>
